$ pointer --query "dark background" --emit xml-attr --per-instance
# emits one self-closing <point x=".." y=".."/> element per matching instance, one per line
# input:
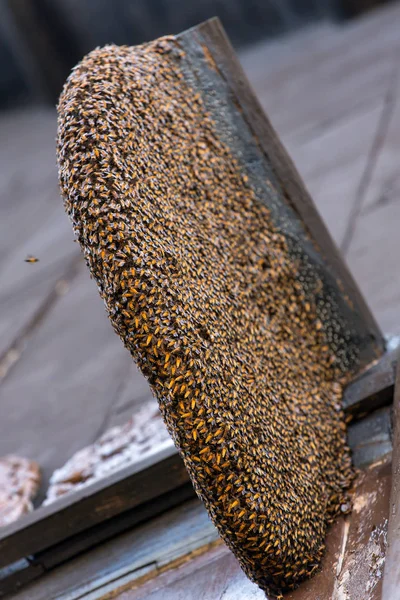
<point x="41" y="40"/>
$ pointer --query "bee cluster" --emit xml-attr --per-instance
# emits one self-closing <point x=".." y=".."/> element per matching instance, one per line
<point x="204" y="293"/>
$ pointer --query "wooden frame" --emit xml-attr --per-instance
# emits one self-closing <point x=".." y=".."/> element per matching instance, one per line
<point x="82" y="510"/>
<point x="76" y="522"/>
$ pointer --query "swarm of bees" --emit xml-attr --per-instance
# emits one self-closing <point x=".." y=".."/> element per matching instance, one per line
<point x="203" y="291"/>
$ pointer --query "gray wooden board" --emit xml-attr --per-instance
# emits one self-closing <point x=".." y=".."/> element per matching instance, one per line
<point x="375" y="241"/>
<point x="369" y="438"/>
<point x="32" y="220"/>
<point x="179" y="532"/>
<point x="385" y="183"/>
<point x="333" y="162"/>
<point x="130" y="487"/>
<point x="351" y="568"/>
<point x="60" y="393"/>
<point x="134" y="392"/>
<point x="322" y="75"/>
<point x="155" y="543"/>
<point x="374" y="388"/>
<point x="391" y="581"/>
<point x="373" y="256"/>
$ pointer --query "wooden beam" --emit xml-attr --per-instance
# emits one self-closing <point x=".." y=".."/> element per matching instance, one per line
<point x="391" y="579"/>
<point x="151" y="546"/>
<point x="24" y="571"/>
<point x="125" y="490"/>
<point x="373" y="389"/>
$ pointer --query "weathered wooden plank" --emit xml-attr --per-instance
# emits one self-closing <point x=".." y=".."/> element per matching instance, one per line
<point x="310" y="82"/>
<point x="362" y="558"/>
<point x="374" y="237"/>
<point x="133" y="393"/>
<point x="369" y="440"/>
<point x="17" y="575"/>
<point x="373" y="389"/>
<point x="32" y="222"/>
<point x="333" y="162"/>
<point x="58" y="397"/>
<point x="89" y="506"/>
<point x="372" y="257"/>
<point x="351" y="569"/>
<point x="149" y="547"/>
<point x="106" y="530"/>
<point x="22" y="572"/>
<point x="215" y="575"/>
<point x="385" y="181"/>
<point x="391" y="581"/>
<point x="222" y="57"/>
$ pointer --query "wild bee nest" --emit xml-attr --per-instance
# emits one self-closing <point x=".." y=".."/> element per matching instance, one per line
<point x="203" y="291"/>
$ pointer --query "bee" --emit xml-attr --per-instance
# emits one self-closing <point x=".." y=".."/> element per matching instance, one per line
<point x="31" y="259"/>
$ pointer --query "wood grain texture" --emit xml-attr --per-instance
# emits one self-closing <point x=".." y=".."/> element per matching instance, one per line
<point x="373" y="389"/>
<point x="385" y="182"/>
<point x="66" y="381"/>
<point x="370" y="438"/>
<point x="313" y="81"/>
<point x="24" y="571"/>
<point x="146" y="548"/>
<point x="32" y="222"/>
<point x="373" y="259"/>
<point x="375" y="233"/>
<point x="71" y="514"/>
<point x="391" y="580"/>
<point x="355" y="546"/>
<point x="333" y="162"/>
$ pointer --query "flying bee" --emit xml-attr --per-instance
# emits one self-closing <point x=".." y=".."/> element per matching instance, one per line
<point x="31" y="259"/>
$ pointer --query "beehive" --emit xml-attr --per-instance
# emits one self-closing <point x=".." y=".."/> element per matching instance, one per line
<point x="219" y="304"/>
